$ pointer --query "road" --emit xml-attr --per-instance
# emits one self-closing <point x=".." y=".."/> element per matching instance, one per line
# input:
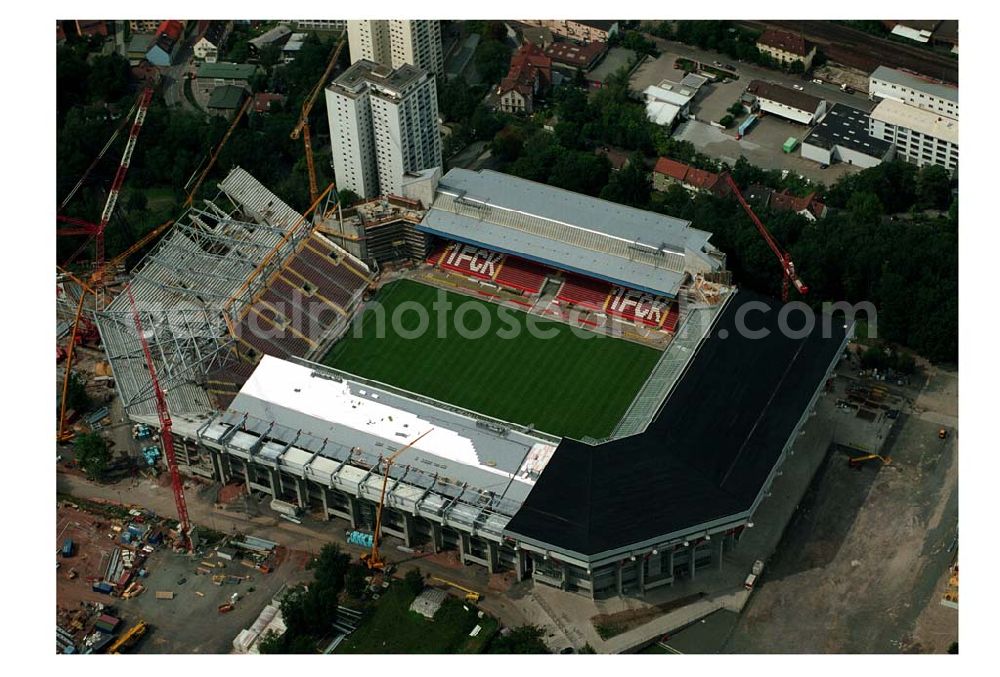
<point x="748" y="72"/>
<point x="173" y="80"/>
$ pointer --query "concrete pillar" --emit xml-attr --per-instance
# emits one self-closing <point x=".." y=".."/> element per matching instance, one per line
<point x="302" y="493"/>
<point x="691" y="564"/>
<point x="463" y="546"/>
<point x="325" y="501"/>
<point x="618" y="578"/>
<point x="275" y="482"/>
<point x="246" y="474"/>
<point x="670" y="565"/>
<point x="492" y="557"/>
<point x="565" y="576"/>
<point x="437" y="538"/>
<point x="640" y="574"/>
<point x="521" y="563"/>
<point x="354" y="510"/>
<point x="407" y="530"/>
<point x="718" y="552"/>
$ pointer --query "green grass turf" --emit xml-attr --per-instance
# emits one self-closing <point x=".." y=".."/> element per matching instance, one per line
<point x="566" y="385"/>
<point x="393" y="629"/>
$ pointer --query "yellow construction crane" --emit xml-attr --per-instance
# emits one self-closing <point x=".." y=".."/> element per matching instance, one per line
<point x="857" y="461"/>
<point x="470" y="595"/>
<point x="373" y="560"/>
<point x="130" y="637"/>
<point x="302" y="128"/>
<point x="215" y="153"/>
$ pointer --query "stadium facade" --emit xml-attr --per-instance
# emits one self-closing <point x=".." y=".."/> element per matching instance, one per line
<point x="667" y="492"/>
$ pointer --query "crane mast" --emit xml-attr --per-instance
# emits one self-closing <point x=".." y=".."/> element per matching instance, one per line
<point x="784" y="258"/>
<point x="184" y="526"/>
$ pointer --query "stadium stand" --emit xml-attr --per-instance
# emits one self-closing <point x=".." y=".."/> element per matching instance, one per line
<point x="476" y="262"/>
<point x="638" y="306"/>
<point x="584" y="292"/>
<point x="521" y="275"/>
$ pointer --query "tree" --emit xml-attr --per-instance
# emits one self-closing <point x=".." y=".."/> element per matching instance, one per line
<point x="865" y="208"/>
<point x="508" y="143"/>
<point x="933" y="187"/>
<point x="726" y="120"/>
<point x="109" y="77"/>
<point x="631" y="185"/>
<point x="76" y="394"/>
<point x="414" y="581"/>
<point x="92" y="454"/>
<point x="526" y="639"/>
<point x="492" y="60"/>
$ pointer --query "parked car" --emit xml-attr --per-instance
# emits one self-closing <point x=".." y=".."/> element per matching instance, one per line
<point x="798" y="87"/>
<point x="817" y="81"/>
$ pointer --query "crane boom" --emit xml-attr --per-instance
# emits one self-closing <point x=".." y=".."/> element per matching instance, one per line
<point x="784" y="258"/>
<point x="374" y="559"/>
<point x="302" y="128"/>
<point x="116" y="185"/>
<point x="184" y="526"/>
<point x="215" y="153"/>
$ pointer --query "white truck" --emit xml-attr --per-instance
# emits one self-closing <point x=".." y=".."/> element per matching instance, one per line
<point x="284" y="508"/>
<point x="755" y="571"/>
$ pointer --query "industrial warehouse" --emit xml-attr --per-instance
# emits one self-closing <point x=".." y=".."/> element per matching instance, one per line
<point x="243" y="296"/>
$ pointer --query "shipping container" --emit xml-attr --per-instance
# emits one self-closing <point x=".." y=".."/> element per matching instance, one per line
<point x="67" y="548"/>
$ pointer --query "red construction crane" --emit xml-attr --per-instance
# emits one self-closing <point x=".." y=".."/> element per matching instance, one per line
<point x="184" y="526"/>
<point x="97" y="230"/>
<point x="784" y="258"/>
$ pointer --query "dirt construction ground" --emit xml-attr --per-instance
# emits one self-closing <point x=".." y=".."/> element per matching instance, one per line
<point x="864" y="563"/>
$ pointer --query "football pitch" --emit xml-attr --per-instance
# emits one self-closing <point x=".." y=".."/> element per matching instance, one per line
<point x="565" y="384"/>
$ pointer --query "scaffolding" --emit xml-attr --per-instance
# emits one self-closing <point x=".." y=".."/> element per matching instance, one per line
<point x="192" y="289"/>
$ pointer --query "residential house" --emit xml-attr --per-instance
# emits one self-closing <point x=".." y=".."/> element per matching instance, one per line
<point x="91" y="27"/>
<point x="762" y="197"/>
<point x="278" y="35"/>
<point x="291" y="48"/>
<point x="211" y="42"/>
<point x="138" y="46"/>
<point x="668" y="172"/>
<point x="167" y="45"/>
<point x="573" y="57"/>
<point x="225" y="101"/>
<point x="788" y="103"/>
<point x="209" y="76"/>
<point x="264" y="102"/>
<point x="529" y="75"/>
<point x="144" y="25"/>
<point x="787" y="47"/>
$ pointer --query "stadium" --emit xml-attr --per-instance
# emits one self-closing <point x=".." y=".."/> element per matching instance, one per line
<point x="627" y="447"/>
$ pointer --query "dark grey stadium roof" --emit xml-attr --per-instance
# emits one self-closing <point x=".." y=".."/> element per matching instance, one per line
<point x="847" y="127"/>
<point x="705" y="457"/>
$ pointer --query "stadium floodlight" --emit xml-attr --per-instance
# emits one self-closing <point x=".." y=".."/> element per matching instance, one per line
<point x="708" y="536"/>
<point x="686" y="544"/>
<point x="655" y="551"/>
<point x="749" y="525"/>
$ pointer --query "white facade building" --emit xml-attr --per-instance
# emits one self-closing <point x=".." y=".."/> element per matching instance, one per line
<point x="920" y="136"/>
<point x="931" y="95"/>
<point x="395" y="42"/>
<point x="383" y="125"/>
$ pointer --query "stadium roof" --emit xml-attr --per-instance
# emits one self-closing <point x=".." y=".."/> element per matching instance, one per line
<point x="916" y="82"/>
<point x="703" y="460"/>
<point x="640" y="249"/>
<point x="365" y="418"/>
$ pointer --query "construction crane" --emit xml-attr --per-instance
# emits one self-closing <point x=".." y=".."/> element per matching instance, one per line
<point x="184" y="524"/>
<point x="302" y="128"/>
<point x="128" y="638"/>
<point x="215" y="153"/>
<point x="858" y="461"/>
<point x="789" y="276"/>
<point x="81" y="226"/>
<point x="470" y="595"/>
<point x="373" y="560"/>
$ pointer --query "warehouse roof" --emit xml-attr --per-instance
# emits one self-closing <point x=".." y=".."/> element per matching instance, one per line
<point x="706" y="456"/>
<point x="790" y="97"/>
<point x="916" y="82"/>
<point x="847" y="127"/>
<point x="898" y="113"/>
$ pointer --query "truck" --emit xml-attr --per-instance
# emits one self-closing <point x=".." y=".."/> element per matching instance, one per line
<point x="755" y="571"/>
<point x="67" y="548"/>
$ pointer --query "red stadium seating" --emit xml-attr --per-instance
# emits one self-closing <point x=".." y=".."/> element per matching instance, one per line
<point x="584" y="292"/>
<point x="673" y="315"/>
<point x="472" y="261"/>
<point x="638" y="306"/>
<point x="526" y="276"/>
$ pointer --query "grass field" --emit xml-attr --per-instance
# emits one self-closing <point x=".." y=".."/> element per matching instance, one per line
<point x="393" y="629"/>
<point x="565" y="385"/>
